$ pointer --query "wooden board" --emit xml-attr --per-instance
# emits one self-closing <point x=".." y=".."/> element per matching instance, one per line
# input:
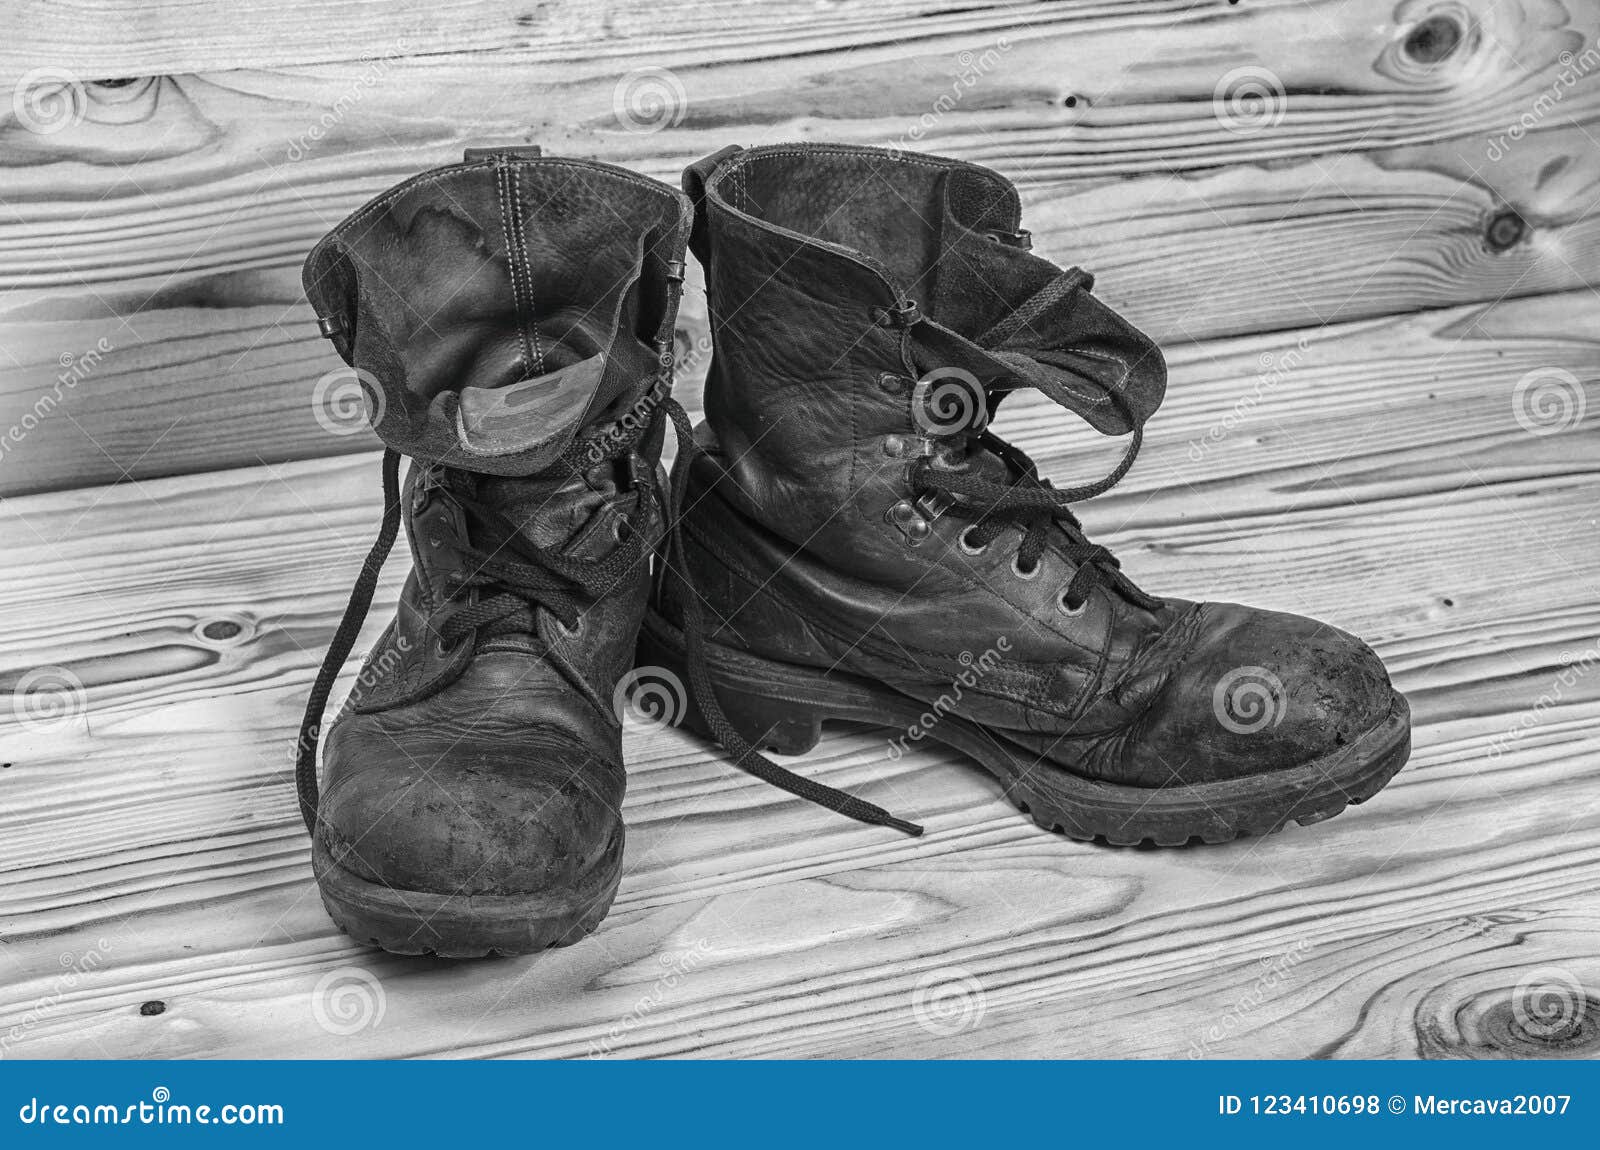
<point x="167" y="216"/>
<point x="1382" y="479"/>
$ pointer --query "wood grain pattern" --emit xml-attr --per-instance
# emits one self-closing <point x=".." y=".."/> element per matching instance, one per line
<point x="168" y="214"/>
<point x="1382" y="479"/>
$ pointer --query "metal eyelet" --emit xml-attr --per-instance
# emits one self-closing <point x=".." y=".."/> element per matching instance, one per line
<point x="570" y="632"/>
<point x="1067" y="609"/>
<point x="967" y="548"/>
<point x="1025" y="576"/>
<point x="913" y="526"/>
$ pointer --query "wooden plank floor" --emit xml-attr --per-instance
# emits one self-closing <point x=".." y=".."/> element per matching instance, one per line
<point x="1428" y="481"/>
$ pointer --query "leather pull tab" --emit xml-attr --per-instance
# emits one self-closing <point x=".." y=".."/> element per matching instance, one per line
<point x="490" y="151"/>
<point x="695" y="178"/>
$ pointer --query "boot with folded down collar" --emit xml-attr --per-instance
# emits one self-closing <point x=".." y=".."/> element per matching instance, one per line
<point x="511" y="318"/>
<point x="865" y="548"/>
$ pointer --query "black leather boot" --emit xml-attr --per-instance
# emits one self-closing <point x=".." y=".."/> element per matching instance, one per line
<point x="511" y="317"/>
<point x="865" y="548"/>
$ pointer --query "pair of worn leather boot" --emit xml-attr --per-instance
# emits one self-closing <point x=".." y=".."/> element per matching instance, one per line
<point x="844" y="538"/>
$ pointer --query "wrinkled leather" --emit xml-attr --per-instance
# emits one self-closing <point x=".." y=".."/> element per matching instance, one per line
<point x="544" y="291"/>
<point x="501" y="280"/>
<point x="809" y="432"/>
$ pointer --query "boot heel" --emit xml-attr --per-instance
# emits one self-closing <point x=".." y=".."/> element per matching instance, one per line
<point x="767" y="723"/>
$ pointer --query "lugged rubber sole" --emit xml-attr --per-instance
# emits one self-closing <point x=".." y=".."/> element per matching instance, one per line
<point x="781" y="707"/>
<point x="464" y="926"/>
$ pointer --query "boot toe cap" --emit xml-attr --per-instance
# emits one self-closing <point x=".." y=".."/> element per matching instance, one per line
<point x="1264" y="691"/>
<point x="492" y="814"/>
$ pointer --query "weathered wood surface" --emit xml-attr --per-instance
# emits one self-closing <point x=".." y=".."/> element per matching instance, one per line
<point x="1379" y="476"/>
<point x="167" y="215"/>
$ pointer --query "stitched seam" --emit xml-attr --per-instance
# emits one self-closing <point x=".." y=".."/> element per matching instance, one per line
<point x="509" y="232"/>
<point x="527" y="271"/>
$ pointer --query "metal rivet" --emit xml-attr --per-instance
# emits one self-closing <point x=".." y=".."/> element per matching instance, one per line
<point x="894" y="446"/>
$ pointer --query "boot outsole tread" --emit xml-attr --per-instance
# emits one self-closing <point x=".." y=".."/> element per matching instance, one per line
<point x="781" y="707"/>
<point x="426" y="923"/>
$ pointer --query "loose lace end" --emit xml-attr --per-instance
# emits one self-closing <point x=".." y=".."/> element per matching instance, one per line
<point x="911" y="829"/>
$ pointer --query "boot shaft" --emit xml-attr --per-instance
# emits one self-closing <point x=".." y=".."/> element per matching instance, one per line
<point x="866" y="302"/>
<point x="511" y="318"/>
<point x="498" y="308"/>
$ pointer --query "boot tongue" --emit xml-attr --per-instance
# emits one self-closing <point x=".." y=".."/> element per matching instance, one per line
<point x="576" y="516"/>
<point x="571" y="514"/>
<point x="1011" y="318"/>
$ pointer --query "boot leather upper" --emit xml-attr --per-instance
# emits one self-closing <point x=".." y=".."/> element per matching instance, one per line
<point x="814" y="257"/>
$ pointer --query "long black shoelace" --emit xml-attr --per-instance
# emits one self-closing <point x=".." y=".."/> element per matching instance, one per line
<point x="510" y="589"/>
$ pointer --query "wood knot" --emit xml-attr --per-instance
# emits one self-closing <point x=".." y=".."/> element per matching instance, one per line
<point x="1434" y="39"/>
<point x="1546" y="1013"/>
<point x="225" y="631"/>
<point x="1505" y="230"/>
<point x="152" y="1008"/>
